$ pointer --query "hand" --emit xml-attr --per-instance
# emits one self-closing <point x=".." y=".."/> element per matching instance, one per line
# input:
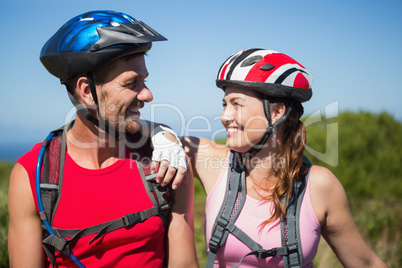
<point x="169" y="155"/>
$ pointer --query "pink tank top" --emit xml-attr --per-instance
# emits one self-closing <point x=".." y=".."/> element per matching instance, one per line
<point x="254" y="212"/>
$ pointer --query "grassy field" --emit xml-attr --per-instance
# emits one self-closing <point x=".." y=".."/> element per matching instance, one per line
<point x="5" y="169"/>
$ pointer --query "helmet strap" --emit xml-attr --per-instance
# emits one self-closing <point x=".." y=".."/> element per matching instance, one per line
<point x="101" y="123"/>
<point x="271" y="128"/>
<point x="81" y="109"/>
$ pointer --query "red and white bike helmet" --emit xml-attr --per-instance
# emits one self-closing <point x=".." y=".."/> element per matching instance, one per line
<point x="274" y="74"/>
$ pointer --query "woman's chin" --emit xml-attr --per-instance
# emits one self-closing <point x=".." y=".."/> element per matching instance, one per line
<point x="238" y="148"/>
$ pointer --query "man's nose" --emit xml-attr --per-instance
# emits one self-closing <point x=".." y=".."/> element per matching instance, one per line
<point x="145" y="95"/>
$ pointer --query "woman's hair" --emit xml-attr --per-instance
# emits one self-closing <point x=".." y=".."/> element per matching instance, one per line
<point x="288" y="164"/>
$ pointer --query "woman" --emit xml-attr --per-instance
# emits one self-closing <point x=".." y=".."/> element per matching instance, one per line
<point x="266" y="205"/>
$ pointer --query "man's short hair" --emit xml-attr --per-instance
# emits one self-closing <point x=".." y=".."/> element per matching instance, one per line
<point x="99" y="74"/>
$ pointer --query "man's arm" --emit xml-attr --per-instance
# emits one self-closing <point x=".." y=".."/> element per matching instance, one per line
<point x="24" y="231"/>
<point x="180" y="244"/>
<point x="171" y="169"/>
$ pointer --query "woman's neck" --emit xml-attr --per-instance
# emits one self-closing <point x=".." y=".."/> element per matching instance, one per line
<point x="260" y="173"/>
<point x="260" y="170"/>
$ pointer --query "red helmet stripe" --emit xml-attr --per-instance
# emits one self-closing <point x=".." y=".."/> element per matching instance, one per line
<point x="301" y="81"/>
<point x="276" y="59"/>
<point x="222" y="76"/>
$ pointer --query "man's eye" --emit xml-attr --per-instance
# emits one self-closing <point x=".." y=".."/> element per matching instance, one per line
<point x="131" y="84"/>
<point x="237" y="104"/>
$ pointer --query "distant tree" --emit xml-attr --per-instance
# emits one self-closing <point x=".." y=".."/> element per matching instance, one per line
<point x="369" y="152"/>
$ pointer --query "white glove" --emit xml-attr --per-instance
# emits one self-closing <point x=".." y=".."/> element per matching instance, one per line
<point x="165" y="149"/>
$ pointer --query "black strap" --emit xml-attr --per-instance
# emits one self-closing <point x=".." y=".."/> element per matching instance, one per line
<point x="81" y="109"/>
<point x="101" y="123"/>
<point x="236" y="184"/>
<point x="270" y="128"/>
<point x="59" y="243"/>
<point x="292" y="238"/>
<point x="126" y="221"/>
<point x="262" y="254"/>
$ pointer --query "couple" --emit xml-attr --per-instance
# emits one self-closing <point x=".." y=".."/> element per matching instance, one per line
<point x="93" y="204"/>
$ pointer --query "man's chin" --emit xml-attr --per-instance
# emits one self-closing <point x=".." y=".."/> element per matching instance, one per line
<point x="132" y="127"/>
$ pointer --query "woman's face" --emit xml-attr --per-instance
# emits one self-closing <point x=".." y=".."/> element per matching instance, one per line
<point x="243" y="118"/>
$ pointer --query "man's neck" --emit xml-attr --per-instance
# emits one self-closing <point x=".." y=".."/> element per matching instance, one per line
<point x="92" y="148"/>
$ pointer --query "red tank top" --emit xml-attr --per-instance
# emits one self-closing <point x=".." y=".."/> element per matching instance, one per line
<point x="91" y="197"/>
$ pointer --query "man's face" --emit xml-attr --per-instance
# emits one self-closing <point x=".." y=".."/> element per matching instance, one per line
<point x="124" y="93"/>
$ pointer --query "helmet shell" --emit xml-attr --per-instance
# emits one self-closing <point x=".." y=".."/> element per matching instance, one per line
<point x="94" y="39"/>
<point x="269" y="72"/>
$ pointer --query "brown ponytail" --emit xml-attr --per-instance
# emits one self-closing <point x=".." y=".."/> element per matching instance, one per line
<point x="288" y="162"/>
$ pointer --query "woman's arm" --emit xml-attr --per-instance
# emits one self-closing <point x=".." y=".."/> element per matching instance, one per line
<point x="181" y="245"/>
<point x="338" y="227"/>
<point x="207" y="159"/>
<point x="24" y="231"/>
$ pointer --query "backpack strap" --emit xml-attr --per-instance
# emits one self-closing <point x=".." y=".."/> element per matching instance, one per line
<point x="49" y="182"/>
<point x="50" y="191"/>
<point x="161" y="197"/>
<point x="291" y="249"/>
<point x="290" y="226"/>
<point x="227" y="215"/>
<point x="50" y="185"/>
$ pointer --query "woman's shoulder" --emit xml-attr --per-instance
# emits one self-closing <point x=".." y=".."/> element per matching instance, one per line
<point x="207" y="159"/>
<point x="203" y="147"/>
<point x="325" y="191"/>
<point x="323" y="181"/>
<point x="322" y="177"/>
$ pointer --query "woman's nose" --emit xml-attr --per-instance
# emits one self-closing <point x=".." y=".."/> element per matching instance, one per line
<point x="226" y="116"/>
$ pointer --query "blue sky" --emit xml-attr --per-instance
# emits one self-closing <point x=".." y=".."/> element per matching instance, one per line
<point x="353" y="49"/>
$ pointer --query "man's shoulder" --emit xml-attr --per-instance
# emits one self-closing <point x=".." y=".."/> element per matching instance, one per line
<point x="31" y="154"/>
<point x="29" y="159"/>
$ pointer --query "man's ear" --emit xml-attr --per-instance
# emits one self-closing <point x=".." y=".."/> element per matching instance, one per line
<point x="83" y="91"/>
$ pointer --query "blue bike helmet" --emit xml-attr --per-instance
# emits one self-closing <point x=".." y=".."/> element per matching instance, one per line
<point x="94" y="39"/>
<point x="90" y="41"/>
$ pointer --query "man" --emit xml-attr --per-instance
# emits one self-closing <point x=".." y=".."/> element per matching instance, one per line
<point x="106" y="212"/>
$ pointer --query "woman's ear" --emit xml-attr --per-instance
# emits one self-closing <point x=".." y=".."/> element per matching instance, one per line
<point x="84" y="92"/>
<point x="277" y="111"/>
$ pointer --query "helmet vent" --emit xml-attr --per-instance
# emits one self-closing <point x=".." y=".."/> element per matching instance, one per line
<point x="267" y="67"/>
<point x="251" y="61"/>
